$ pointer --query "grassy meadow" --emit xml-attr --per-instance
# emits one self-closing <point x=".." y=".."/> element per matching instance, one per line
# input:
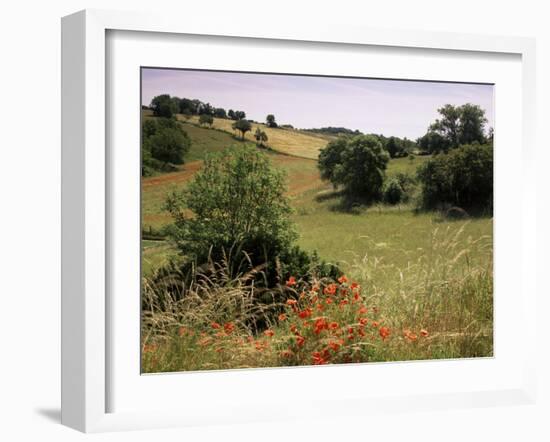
<point x="426" y="278"/>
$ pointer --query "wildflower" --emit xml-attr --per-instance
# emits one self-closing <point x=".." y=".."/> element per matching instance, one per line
<point x="361" y="332"/>
<point x="330" y="289"/>
<point x="318" y="358"/>
<point x="328" y="301"/>
<point x="320" y="307"/>
<point x="320" y="325"/>
<point x="333" y="325"/>
<point x="287" y="353"/>
<point x="384" y="332"/>
<point x="375" y="324"/>
<point x="363" y="321"/>
<point x="291" y="281"/>
<point x="149" y="348"/>
<point x="291" y="302"/>
<point x="355" y="286"/>
<point x="363" y="310"/>
<point x="305" y="313"/>
<point x="229" y="327"/>
<point x="334" y="345"/>
<point x="350" y="330"/>
<point x="293" y="328"/>
<point x="342" y="279"/>
<point x="269" y="333"/>
<point x="343" y="302"/>
<point x="282" y="317"/>
<point x="215" y="325"/>
<point x="424" y="332"/>
<point x="356" y="296"/>
<point x="182" y="331"/>
<point x="300" y="340"/>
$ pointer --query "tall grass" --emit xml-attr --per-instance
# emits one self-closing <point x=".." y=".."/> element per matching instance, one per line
<point x="439" y="305"/>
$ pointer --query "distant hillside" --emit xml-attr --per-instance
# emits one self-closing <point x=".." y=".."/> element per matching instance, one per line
<point x="330" y="130"/>
<point x="288" y="141"/>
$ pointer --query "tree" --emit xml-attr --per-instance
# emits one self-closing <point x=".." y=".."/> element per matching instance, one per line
<point x="358" y="164"/>
<point x="330" y="157"/>
<point x="261" y="137"/>
<point x="395" y="147"/>
<point x="164" y="106"/>
<point x="220" y="113"/>
<point x="458" y="125"/>
<point x="242" y="126"/>
<point x="206" y="120"/>
<point x="472" y="124"/>
<point x="433" y="142"/>
<point x="231" y="114"/>
<point x="448" y="125"/>
<point x="240" y="115"/>
<point x="236" y="198"/>
<point x="463" y="177"/>
<point x="270" y="120"/>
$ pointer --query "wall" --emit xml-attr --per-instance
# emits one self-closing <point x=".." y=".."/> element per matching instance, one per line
<point x="30" y="211"/>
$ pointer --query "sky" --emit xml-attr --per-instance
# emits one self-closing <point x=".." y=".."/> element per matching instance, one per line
<point x="389" y="107"/>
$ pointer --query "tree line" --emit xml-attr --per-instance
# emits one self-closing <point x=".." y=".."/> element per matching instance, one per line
<point x="459" y="174"/>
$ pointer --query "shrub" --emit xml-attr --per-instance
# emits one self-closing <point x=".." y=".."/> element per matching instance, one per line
<point x="463" y="177"/>
<point x="206" y="120"/>
<point x="393" y="192"/>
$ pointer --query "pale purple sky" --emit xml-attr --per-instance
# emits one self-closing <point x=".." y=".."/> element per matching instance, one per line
<point x="389" y="107"/>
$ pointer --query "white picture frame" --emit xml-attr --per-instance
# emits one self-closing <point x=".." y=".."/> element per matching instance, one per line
<point x="86" y="316"/>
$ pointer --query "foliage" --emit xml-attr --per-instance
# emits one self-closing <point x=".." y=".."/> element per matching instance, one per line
<point x="261" y="137"/>
<point x="242" y="126"/>
<point x="393" y="192"/>
<point x="164" y="143"/>
<point x="164" y="106"/>
<point x="270" y="121"/>
<point x="463" y="177"/>
<point x="235" y="199"/>
<point x="206" y="120"/>
<point x="358" y="164"/>
<point x="456" y="126"/>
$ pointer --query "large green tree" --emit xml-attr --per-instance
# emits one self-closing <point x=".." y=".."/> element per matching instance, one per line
<point x="457" y="125"/>
<point x="358" y="164"/>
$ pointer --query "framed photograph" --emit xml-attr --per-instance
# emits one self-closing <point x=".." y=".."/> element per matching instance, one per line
<point x="294" y="213"/>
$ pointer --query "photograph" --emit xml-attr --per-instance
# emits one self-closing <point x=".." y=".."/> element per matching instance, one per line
<point x="303" y="220"/>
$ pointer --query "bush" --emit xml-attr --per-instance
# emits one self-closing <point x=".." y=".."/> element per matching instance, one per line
<point x="463" y="177"/>
<point x="239" y="211"/>
<point x="393" y="192"/>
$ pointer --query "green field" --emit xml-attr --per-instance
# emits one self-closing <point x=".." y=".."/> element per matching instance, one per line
<point x="395" y="234"/>
<point x="424" y="272"/>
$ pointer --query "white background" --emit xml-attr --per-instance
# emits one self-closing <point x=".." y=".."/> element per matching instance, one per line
<point x="30" y="216"/>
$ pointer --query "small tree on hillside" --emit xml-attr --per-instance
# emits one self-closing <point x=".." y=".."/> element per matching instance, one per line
<point x="242" y="126"/>
<point x="270" y="120"/>
<point x="261" y="137"/>
<point x="206" y="120"/>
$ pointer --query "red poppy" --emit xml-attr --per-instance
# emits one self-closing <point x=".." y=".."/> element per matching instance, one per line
<point x="330" y="289"/>
<point x="282" y="317"/>
<point x="291" y="281"/>
<point x="384" y="332"/>
<point x="300" y="340"/>
<point x="229" y="327"/>
<point x="342" y="279"/>
<point x="354" y="286"/>
<point x="215" y="325"/>
<point x="305" y="313"/>
<point x="269" y="333"/>
<point x="318" y="358"/>
<point x="291" y="302"/>
<point x="363" y="321"/>
<point x="424" y="332"/>
<point x="333" y="325"/>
